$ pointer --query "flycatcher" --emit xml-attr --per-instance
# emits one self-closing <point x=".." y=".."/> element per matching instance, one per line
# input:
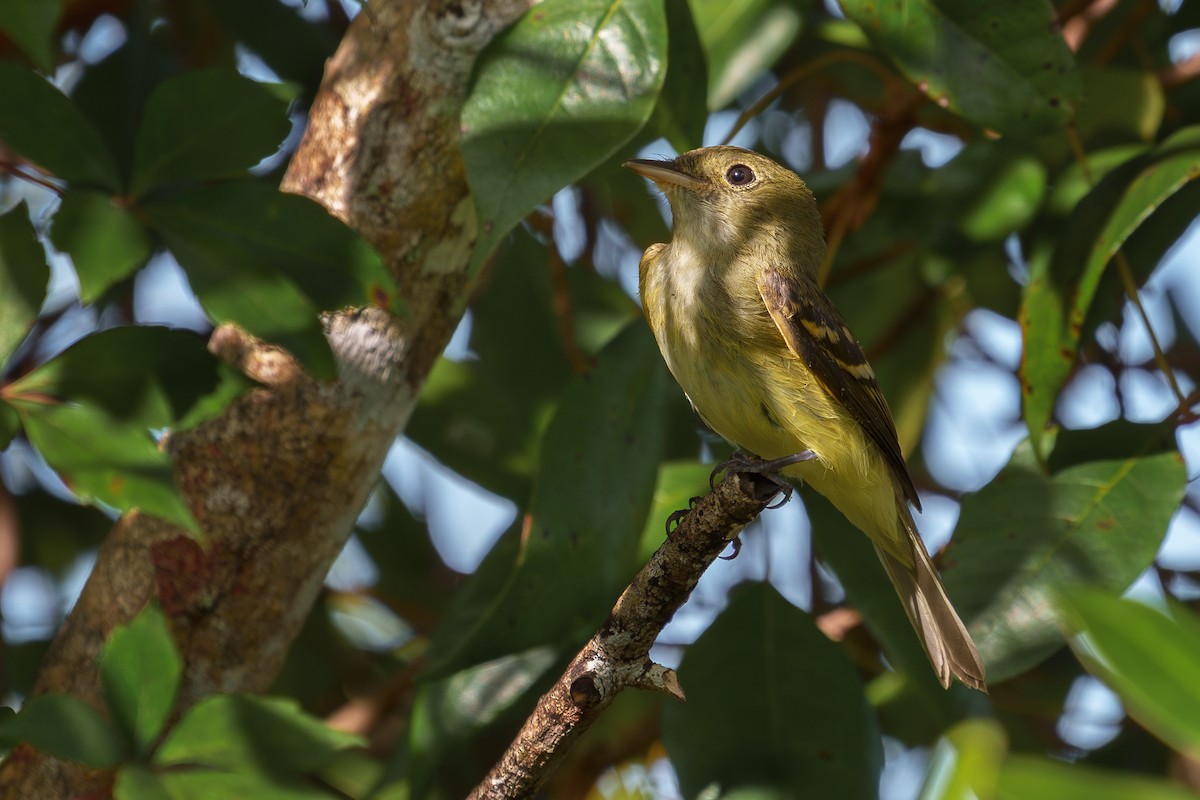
<point x="769" y="364"/>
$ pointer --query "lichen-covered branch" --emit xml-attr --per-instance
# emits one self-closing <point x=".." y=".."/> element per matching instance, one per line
<point x="278" y="479"/>
<point x="618" y="655"/>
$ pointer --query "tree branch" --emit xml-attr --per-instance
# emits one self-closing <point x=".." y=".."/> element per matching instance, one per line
<point x="618" y="655"/>
<point x="278" y="479"/>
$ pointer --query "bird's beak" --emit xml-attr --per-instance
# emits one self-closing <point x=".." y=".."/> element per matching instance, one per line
<point x="664" y="173"/>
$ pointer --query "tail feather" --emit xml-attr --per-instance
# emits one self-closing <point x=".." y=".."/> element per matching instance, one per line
<point x="941" y="632"/>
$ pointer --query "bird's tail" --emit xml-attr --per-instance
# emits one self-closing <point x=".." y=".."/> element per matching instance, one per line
<point x="941" y="632"/>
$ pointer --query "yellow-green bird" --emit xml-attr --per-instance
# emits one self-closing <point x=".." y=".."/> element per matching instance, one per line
<point x="769" y="364"/>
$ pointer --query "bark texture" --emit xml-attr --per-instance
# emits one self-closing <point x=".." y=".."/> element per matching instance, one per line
<point x="618" y="655"/>
<point x="278" y="479"/>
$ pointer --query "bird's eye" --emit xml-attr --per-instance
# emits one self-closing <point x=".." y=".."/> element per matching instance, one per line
<point x="739" y="175"/>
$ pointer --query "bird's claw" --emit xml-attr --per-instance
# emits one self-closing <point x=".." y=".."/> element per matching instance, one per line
<point x="737" y="548"/>
<point x="741" y="462"/>
<point x="676" y="517"/>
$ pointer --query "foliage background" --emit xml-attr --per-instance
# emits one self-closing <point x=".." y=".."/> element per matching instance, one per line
<point x="978" y="166"/>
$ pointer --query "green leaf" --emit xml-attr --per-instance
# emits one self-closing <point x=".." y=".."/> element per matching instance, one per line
<point x="1008" y="203"/>
<point x="23" y="278"/>
<point x="678" y="482"/>
<point x="1003" y="66"/>
<point x="140" y="671"/>
<point x="206" y="125"/>
<point x="682" y="109"/>
<point x="145" y="376"/>
<point x="64" y="727"/>
<point x="1139" y="113"/>
<point x="771" y="702"/>
<point x="594" y="484"/>
<point x="1060" y="292"/>
<point x="10" y="424"/>
<point x="557" y="95"/>
<point x="293" y="47"/>
<point x="104" y="239"/>
<point x="139" y="783"/>
<point x="242" y="733"/>
<point x="482" y="417"/>
<point x="30" y="23"/>
<point x="448" y="713"/>
<point x="742" y="39"/>
<point x="850" y="553"/>
<point x="1072" y="185"/>
<point x="271" y="262"/>
<point x="118" y="465"/>
<point x="1150" y="658"/>
<point x="1027" y="777"/>
<point x="1027" y="536"/>
<point x="967" y="761"/>
<point x="135" y="782"/>
<point x="53" y="133"/>
<point x="113" y="93"/>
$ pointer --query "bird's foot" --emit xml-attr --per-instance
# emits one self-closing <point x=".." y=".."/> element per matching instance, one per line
<point x="737" y="548"/>
<point x="676" y="517"/>
<point x="769" y="470"/>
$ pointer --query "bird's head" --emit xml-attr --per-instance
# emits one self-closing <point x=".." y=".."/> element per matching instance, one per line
<point x="732" y="202"/>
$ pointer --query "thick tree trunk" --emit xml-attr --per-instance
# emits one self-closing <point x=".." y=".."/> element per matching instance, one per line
<point x="278" y="479"/>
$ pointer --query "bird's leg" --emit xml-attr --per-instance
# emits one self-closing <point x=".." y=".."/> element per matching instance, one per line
<point x="741" y="462"/>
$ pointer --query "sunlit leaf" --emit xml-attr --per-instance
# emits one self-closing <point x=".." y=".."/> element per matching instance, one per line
<point x="58" y="138"/>
<point x="246" y="733"/>
<point x="119" y="466"/>
<point x="1028" y="536"/>
<point x="1009" y="202"/>
<point x="140" y="671"/>
<point x="967" y="761"/>
<point x="1027" y="777"/>
<point x="556" y="95"/>
<point x="754" y="715"/>
<point x="678" y="483"/>
<point x="1138" y="115"/>
<point x="1060" y="291"/>
<point x="1004" y="66"/>
<point x="1150" y="658"/>
<point x="104" y="239"/>
<point x="742" y="39"/>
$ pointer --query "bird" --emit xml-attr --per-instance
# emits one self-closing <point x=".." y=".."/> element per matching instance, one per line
<point x="770" y="365"/>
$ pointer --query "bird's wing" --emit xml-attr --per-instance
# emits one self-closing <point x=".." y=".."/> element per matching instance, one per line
<point x="816" y="333"/>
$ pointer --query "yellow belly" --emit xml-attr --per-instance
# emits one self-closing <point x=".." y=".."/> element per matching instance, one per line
<point x="760" y="397"/>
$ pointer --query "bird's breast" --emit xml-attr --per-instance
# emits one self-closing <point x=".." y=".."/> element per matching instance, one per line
<point x="723" y="349"/>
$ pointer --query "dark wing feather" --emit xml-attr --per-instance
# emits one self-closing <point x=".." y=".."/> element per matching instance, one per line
<point x="817" y="334"/>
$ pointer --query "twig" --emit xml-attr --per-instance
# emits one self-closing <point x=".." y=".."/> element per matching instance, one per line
<point x="1179" y="74"/>
<point x="561" y="298"/>
<point x="849" y="207"/>
<point x="801" y="73"/>
<point x="1079" y="25"/>
<point x="618" y="655"/>
<point x="1126" y="276"/>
